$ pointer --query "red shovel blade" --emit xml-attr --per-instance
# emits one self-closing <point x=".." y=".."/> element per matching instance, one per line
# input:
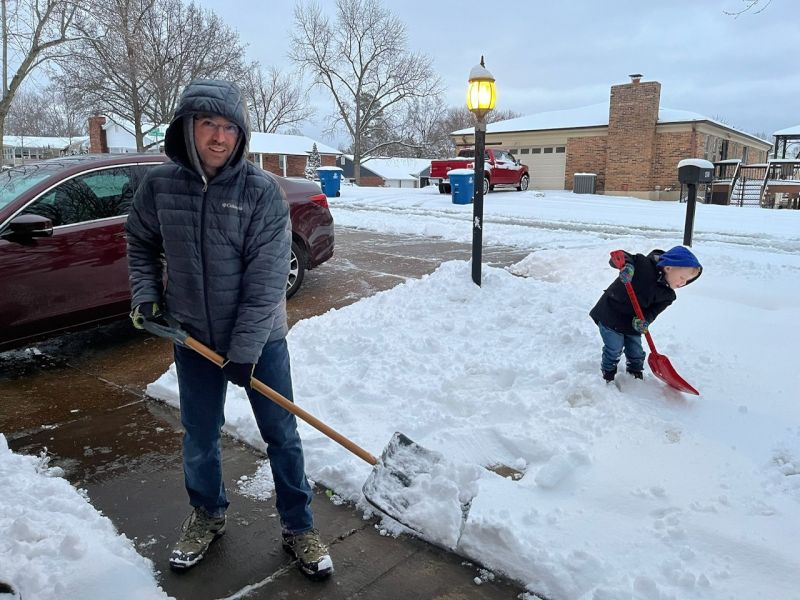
<point x="664" y="370"/>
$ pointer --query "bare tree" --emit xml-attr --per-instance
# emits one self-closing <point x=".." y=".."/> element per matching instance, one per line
<point x="26" y="115"/>
<point x="276" y="100"/>
<point x="66" y="111"/>
<point x="185" y="43"/>
<point x="135" y="57"/>
<point x="754" y="6"/>
<point x="363" y="60"/>
<point x="33" y="31"/>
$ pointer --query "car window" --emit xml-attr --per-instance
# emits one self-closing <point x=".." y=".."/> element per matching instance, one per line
<point x="87" y="197"/>
<point x="18" y="180"/>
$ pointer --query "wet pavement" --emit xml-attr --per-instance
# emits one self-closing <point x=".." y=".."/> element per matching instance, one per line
<point x="81" y="396"/>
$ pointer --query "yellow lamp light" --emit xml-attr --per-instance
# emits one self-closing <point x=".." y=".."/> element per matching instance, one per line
<point x="481" y="91"/>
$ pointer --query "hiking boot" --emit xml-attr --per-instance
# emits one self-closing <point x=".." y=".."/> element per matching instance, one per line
<point x="312" y="555"/>
<point x="197" y="532"/>
<point x="609" y="375"/>
<point x="636" y="374"/>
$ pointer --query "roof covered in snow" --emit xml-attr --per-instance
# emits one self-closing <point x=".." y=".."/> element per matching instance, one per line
<point x="33" y="141"/>
<point x="397" y="168"/>
<point x="279" y="143"/>
<point x="789" y="131"/>
<point x="594" y="115"/>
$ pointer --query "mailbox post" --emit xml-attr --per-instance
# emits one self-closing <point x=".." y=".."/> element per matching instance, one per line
<point x="692" y="171"/>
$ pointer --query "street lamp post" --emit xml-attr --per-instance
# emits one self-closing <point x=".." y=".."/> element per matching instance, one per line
<point x="481" y="96"/>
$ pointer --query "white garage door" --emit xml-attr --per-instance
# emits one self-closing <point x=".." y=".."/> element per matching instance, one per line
<point x="547" y="165"/>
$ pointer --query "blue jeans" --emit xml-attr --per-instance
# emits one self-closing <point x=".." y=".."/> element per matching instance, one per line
<point x="202" y="389"/>
<point x="614" y="343"/>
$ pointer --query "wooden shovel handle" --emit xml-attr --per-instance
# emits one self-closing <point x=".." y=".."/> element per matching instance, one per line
<point x="281" y="400"/>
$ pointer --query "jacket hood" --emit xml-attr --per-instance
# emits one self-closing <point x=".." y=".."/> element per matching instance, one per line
<point x="211" y="96"/>
<point x="679" y="256"/>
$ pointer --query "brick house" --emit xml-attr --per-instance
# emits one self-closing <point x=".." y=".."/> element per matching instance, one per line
<point x="287" y="155"/>
<point x="632" y="143"/>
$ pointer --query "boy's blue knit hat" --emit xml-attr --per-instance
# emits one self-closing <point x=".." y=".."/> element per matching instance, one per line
<point x="679" y="257"/>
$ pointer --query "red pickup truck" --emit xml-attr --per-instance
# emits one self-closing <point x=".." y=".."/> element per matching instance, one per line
<point x="500" y="169"/>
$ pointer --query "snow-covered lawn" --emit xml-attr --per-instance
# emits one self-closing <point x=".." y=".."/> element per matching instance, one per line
<point x="629" y="491"/>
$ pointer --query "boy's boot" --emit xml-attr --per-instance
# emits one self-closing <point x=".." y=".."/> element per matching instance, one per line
<point x="311" y="554"/>
<point x="609" y="375"/>
<point x="636" y="374"/>
<point x="197" y="533"/>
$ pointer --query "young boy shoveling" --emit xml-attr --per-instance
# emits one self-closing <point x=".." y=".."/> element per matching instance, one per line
<point x="654" y="278"/>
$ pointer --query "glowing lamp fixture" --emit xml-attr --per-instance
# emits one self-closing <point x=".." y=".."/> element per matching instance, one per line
<point x="481" y="92"/>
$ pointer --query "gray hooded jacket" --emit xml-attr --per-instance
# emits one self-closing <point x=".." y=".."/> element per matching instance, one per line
<point x="226" y="241"/>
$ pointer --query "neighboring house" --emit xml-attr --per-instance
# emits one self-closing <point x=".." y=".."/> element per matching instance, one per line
<point x="287" y="155"/>
<point x="388" y="172"/>
<point x="22" y="149"/>
<point x="280" y="154"/>
<point x="783" y="141"/>
<point x="631" y="143"/>
<point x="115" y="135"/>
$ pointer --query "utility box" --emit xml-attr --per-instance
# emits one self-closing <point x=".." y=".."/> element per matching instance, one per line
<point x="695" y="170"/>
<point x="584" y="183"/>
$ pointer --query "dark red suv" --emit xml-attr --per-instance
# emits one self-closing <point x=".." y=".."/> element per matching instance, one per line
<point x="63" y="258"/>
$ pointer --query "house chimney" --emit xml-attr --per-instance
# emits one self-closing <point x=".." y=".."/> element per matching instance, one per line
<point x="631" y="138"/>
<point x="98" y="143"/>
<point x="635" y="77"/>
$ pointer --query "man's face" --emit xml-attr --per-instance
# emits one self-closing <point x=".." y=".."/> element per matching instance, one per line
<point x="215" y="138"/>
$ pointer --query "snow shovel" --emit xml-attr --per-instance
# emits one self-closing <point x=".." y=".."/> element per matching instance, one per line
<point x="415" y="486"/>
<point x="659" y="364"/>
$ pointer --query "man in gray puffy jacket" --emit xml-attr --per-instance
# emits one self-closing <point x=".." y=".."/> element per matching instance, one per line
<point x="223" y="227"/>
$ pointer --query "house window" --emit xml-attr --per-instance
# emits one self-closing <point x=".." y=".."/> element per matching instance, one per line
<point x="561" y="149"/>
<point x="744" y="154"/>
<point x="548" y="150"/>
<point x="342" y="160"/>
<point x="513" y="151"/>
<point x="536" y="150"/>
<point x="524" y="150"/>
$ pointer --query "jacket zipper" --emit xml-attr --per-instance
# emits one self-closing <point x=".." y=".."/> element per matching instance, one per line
<point x="203" y="262"/>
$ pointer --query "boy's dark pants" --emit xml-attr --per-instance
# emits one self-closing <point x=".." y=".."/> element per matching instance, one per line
<point x="614" y="343"/>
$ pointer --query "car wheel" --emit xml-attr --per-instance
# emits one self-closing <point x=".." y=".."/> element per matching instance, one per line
<point x="441" y="188"/>
<point x="523" y="183"/>
<point x="486" y="187"/>
<point x="297" y="270"/>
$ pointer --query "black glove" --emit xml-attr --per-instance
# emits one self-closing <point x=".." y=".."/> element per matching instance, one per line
<point x="238" y="373"/>
<point x="146" y="311"/>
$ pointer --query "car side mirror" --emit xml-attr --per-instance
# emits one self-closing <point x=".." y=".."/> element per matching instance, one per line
<point x="29" y="226"/>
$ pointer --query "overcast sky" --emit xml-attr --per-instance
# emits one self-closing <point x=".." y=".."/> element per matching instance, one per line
<point x="555" y="55"/>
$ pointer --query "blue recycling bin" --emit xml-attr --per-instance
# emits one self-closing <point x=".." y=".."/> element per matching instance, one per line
<point x="462" y="185"/>
<point x="330" y="178"/>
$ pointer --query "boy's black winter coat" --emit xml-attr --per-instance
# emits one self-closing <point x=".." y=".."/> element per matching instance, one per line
<point x="614" y="309"/>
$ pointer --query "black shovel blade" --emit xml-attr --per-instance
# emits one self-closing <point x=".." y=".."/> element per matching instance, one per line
<point x="422" y="490"/>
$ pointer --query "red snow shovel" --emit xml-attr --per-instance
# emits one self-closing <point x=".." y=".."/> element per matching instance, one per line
<point x="659" y="363"/>
<point x="399" y="479"/>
